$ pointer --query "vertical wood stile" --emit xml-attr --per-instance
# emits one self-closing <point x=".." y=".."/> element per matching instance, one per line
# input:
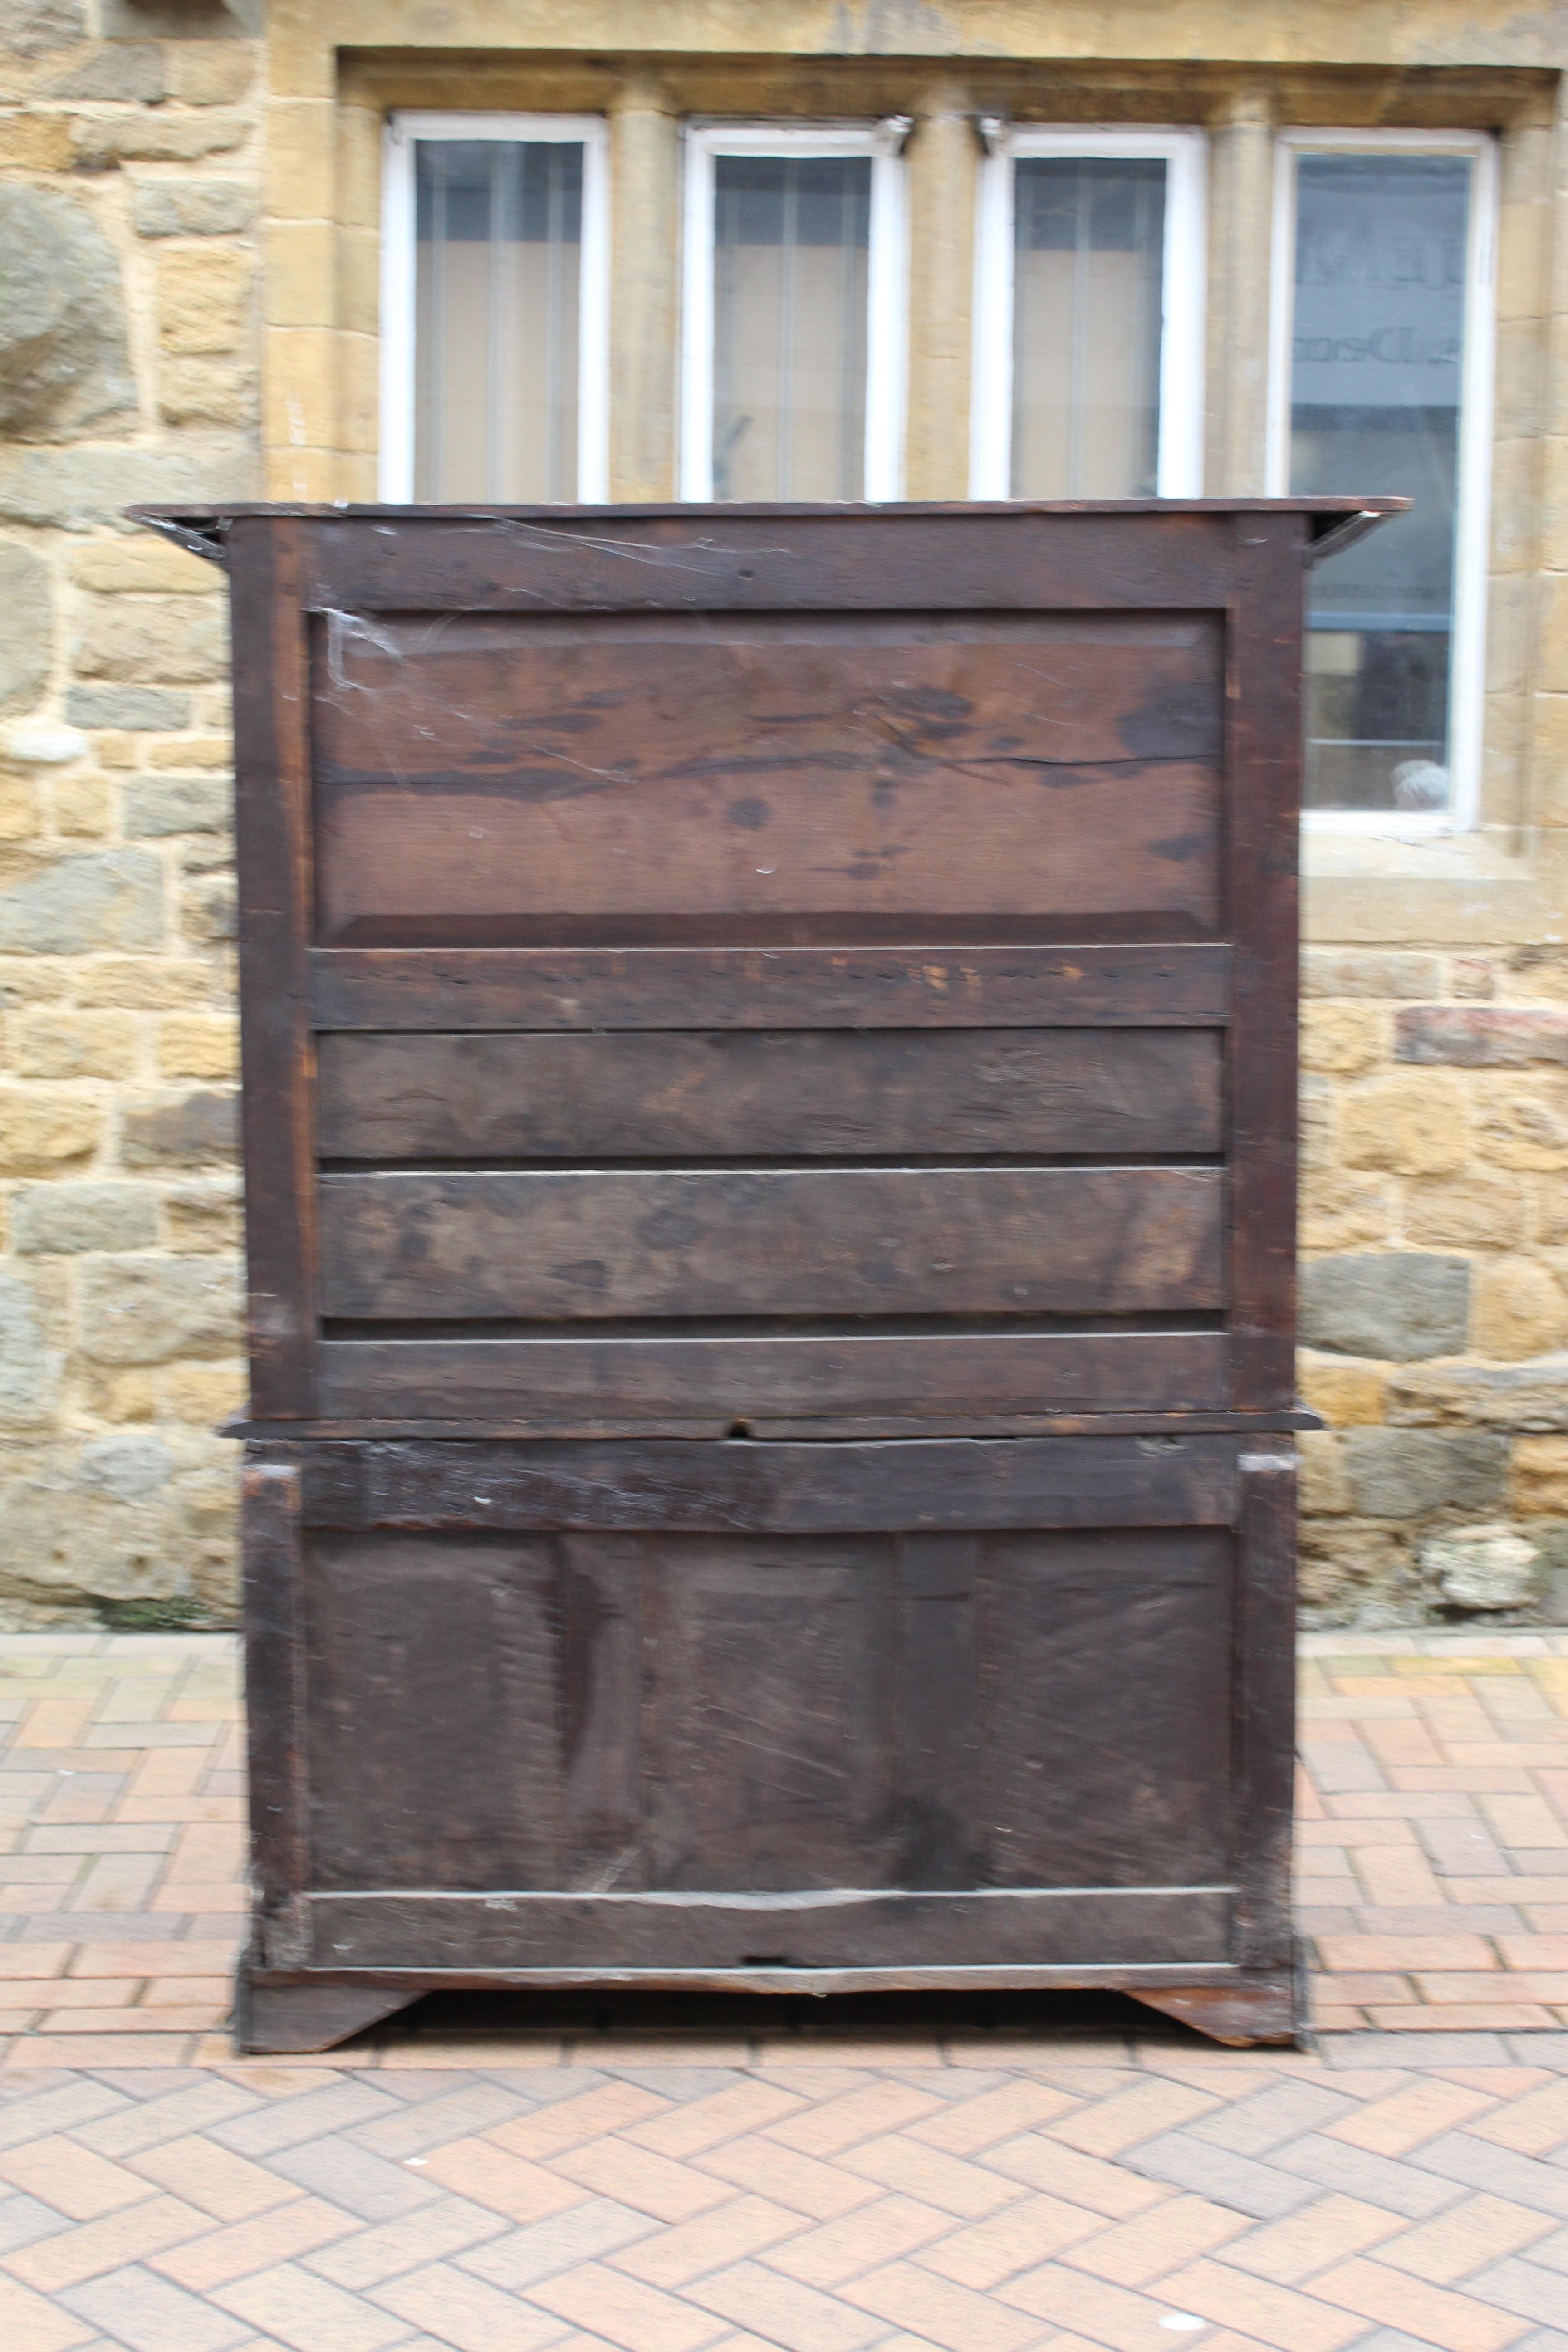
<point x="273" y="1566"/>
<point x="1266" y="1705"/>
<point x="1262" y="803"/>
<point x="273" y="820"/>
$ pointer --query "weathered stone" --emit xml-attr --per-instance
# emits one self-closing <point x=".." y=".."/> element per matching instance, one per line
<point x="1474" y="1210"/>
<point x="69" y="906"/>
<point x="1485" y="1567"/>
<point x="63" y="1533"/>
<point x="29" y="1368"/>
<point x="84" y="807"/>
<point x="1414" y="1126"/>
<point x="63" y="1220"/>
<point x="208" y="911"/>
<point x="1396" y="1307"/>
<point x="214" y="72"/>
<point x="32" y="745"/>
<point x="206" y="1216"/>
<point x="99" y="142"/>
<point x="1349" y="971"/>
<point x="184" y="639"/>
<point x="1343" y="1038"/>
<point x="146" y="984"/>
<point x="26" y="626"/>
<point x="205" y="1393"/>
<point x="197" y="1045"/>
<point x="203" y="295"/>
<point x="64" y="363"/>
<point x="1352" y="1573"/>
<point x="144" y="565"/>
<point x="131" y="72"/>
<point x="1348" y="1395"/>
<point x="162" y="804"/>
<point x="1481" y="1037"/>
<point x="1523" y="1122"/>
<point x="181" y="1130"/>
<point x="1399" y="1474"/>
<point x="21" y="808"/>
<point x="44" y="1128"/>
<point x="1339" y="1208"/>
<point x="150" y="707"/>
<point x="1529" y="1396"/>
<point x="54" y="1044"/>
<point x="1540" y="1477"/>
<point x="1521" y="1309"/>
<point x="1473" y="976"/>
<point x="199" y="208"/>
<point x="146" y="1310"/>
<point x="77" y="490"/>
<point x="180" y="20"/>
<point x="1324" y="1490"/>
<point x="206" y="392"/>
<point x="32" y="28"/>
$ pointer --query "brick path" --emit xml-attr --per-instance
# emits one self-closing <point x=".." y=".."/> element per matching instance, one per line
<point x="1074" y="2175"/>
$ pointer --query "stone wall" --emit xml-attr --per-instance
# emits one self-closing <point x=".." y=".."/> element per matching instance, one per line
<point x="1435" y="1281"/>
<point x="1436" y="1210"/>
<point x="129" y="201"/>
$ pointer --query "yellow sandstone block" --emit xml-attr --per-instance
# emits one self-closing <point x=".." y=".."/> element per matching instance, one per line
<point x="1416" y="1124"/>
<point x="203" y="292"/>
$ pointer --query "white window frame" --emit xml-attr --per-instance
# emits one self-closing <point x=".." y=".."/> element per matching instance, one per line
<point x="886" y="321"/>
<point x="1179" y="470"/>
<point x="1467" y="658"/>
<point x="399" y="263"/>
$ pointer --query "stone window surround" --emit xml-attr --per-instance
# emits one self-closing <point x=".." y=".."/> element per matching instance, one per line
<point x="332" y="91"/>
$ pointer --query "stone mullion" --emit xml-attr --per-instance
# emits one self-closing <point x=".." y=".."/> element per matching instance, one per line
<point x="942" y="163"/>
<point x="645" y="309"/>
<point x="1240" y="246"/>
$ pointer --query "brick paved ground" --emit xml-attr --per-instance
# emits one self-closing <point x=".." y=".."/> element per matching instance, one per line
<point x="1077" y="2175"/>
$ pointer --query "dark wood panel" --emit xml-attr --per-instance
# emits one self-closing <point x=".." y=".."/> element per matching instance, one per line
<point x="273" y="843"/>
<point x="796" y="1093"/>
<point x="714" y="560"/>
<point x="473" y="1719"/>
<point x="1266" y="1702"/>
<point x="1129" y="1782"/>
<point x="272" y="1562"/>
<point x="1263" y="766"/>
<point x="942" y="1835"/>
<point x="938" y="1485"/>
<point x="554" y="709"/>
<point x="595" y="1936"/>
<point x="769" y="1716"/>
<point x="735" y="1241"/>
<point x="934" y="987"/>
<point x="712" y="1382"/>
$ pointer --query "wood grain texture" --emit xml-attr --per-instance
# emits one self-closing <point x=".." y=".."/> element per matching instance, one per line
<point x="496" y="780"/>
<point x="796" y="1093"/>
<point x="273" y="826"/>
<point x="934" y="1485"/>
<point x="1263" y="769"/>
<point x="938" y="986"/>
<point x="272" y="1571"/>
<point x="586" y="1383"/>
<point x="579" y="1244"/>
<point x="597" y="1936"/>
<point x="1266" y="1704"/>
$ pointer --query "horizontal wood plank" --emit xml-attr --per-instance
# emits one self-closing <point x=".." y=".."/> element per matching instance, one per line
<point x="1007" y="560"/>
<point x="936" y="987"/>
<point x="840" y="1927"/>
<point x="942" y="1484"/>
<point x="798" y="1094"/>
<point x="710" y="1383"/>
<point x="561" y="1246"/>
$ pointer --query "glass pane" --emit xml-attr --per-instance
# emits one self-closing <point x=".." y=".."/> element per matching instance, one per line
<point x="791" y="246"/>
<point x="499" y="227"/>
<point x="1381" y="243"/>
<point x="1087" y="279"/>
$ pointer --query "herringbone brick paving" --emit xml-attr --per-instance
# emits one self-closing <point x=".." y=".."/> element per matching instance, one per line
<point x="1082" y="2177"/>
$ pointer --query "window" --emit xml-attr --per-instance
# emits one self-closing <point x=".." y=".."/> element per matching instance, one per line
<point x="1381" y="384"/>
<point x="494" y="308"/>
<point x="794" y="333"/>
<point x="1088" y="316"/>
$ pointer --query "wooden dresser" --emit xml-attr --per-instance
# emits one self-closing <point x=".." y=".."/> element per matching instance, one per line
<point x="770" y="1107"/>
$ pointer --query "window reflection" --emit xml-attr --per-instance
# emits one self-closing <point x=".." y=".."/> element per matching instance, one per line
<point x="1089" y="259"/>
<point x="498" y="294"/>
<point x="1376" y="386"/>
<point x="792" y="248"/>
